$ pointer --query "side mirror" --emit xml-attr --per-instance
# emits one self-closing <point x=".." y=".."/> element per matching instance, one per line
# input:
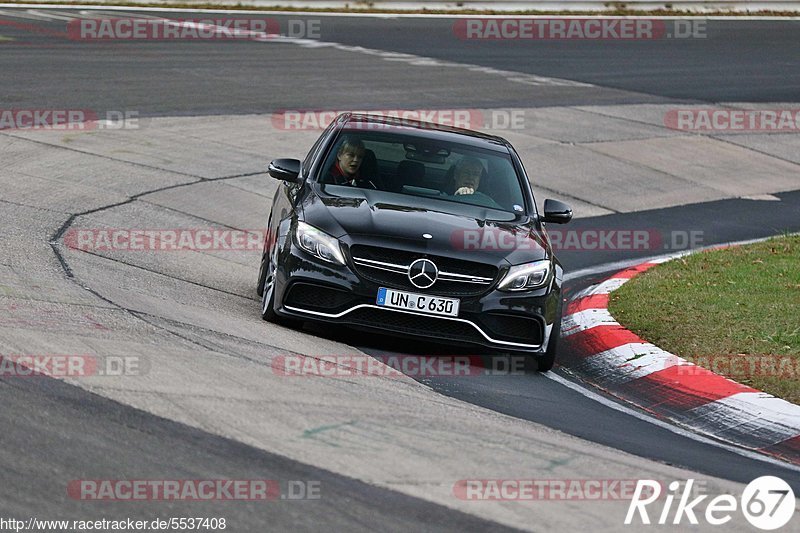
<point x="556" y="212"/>
<point x="285" y="169"/>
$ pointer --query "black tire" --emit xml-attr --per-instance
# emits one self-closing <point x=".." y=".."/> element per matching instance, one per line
<point x="545" y="362"/>
<point x="267" y="289"/>
<point x="266" y="282"/>
<point x="262" y="276"/>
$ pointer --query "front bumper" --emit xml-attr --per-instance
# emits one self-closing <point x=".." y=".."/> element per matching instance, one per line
<point x="309" y="289"/>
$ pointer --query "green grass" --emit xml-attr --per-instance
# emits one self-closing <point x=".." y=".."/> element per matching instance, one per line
<point x="736" y="311"/>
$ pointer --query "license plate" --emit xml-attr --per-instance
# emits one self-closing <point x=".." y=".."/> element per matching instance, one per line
<point x="422" y="303"/>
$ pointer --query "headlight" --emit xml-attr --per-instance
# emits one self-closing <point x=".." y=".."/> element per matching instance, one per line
<point x="526" y="277"/>
<point x="318" y="243"/>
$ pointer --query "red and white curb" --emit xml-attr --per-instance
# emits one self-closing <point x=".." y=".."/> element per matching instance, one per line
<point x="638" y="372"/>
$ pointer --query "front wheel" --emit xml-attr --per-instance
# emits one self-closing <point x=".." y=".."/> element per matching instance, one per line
<point x="262" y="271"/>
<point x="545" y="362"/>
<point x="267" y="286"/>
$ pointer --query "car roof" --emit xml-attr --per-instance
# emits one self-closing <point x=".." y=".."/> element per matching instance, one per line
<point x="361" y="121"/>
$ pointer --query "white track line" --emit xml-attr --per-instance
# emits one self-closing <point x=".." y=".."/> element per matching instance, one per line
<point x="532" y="80"/>
<point x="783" y="422"/>
<point x="664" y="425"/>
<point x="395" y="15"/>
<point x="661" y="258"/>
<point x="410" y="59"/>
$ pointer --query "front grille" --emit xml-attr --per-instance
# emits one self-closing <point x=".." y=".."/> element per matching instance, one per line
<point x="415" y="324"/>
<point x="318" y="298"/>
<point x="456" y="266"/>
<point x="500" y="326"/>
<point x="399" y="280"/>
<point x="514" y="328"/>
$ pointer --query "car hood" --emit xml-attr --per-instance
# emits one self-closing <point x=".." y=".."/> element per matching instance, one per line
<point x="397" y="220"/>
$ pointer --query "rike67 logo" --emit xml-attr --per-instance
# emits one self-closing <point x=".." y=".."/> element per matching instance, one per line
<point x="767" y="502"/>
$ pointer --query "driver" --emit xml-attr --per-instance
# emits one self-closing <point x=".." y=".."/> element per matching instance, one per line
<point x="347" y="168"/>
<point x="467" y="178"/>
<point x="468" y="174"/>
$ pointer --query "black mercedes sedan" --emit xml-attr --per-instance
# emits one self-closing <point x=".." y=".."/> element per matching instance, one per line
<point x="414" y="229"/>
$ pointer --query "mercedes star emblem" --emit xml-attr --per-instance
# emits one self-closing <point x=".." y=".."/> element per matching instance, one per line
<point x="423" y="273"/>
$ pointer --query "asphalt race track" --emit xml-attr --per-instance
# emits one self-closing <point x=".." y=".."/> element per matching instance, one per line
<point x="386" y="452"/>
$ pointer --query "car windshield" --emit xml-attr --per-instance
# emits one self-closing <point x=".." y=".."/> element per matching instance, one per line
<point x="416" y="166"/>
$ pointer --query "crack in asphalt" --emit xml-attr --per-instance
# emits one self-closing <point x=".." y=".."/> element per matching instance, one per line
<point x="54" y="239"/>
